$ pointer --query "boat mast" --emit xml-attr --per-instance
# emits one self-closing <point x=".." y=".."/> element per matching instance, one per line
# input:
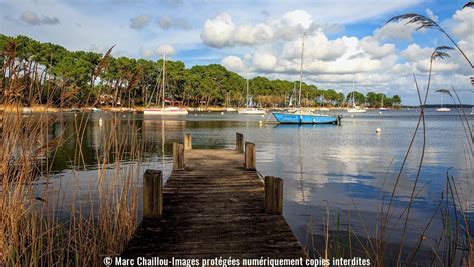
<point x="163" y="93"/>
<point x="353" y="97"/>
<point x="247" y="104"/>
<point x="301" y="70"/>
<point x="382" y="100"/>
<point x="441" y="100"/>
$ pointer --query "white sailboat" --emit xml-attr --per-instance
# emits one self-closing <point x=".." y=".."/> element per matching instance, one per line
<point x="174" y="111"/>
<point x="250" y="110"/>
<point x="441" y="109"/>
<point x="355" y="108"/>
<point x="382" y="108"/>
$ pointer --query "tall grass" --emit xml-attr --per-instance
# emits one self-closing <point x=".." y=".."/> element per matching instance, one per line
<point x="31" y="231"/>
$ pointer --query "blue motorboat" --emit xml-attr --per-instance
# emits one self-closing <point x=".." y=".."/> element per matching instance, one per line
<point x="306" y="118"/>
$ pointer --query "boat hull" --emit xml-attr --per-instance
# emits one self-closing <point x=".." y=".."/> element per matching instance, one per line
<point x="288" y="118"/>
<point x="356" y="110"/>
<point x="252" y="111"/>
<point x="443" y="109"/>
<point x="166" y="111"/>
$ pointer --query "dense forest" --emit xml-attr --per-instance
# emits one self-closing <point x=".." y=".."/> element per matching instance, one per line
<point x="45" y="73"/>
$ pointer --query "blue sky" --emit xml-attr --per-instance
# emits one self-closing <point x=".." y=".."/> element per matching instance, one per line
<point x="346" y="40"/>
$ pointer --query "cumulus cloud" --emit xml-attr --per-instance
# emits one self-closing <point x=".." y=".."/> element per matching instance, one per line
<point x="264" y="61"/>
<point x="31" y="18"/>
<point x="414" y="52"/>
<point x="164" y="49"/>
<point x="221" y="31"/>
<point x="395" y="30"/>
<point x="167" y="22"/>
<point x="218" y="32"/>
<point x="431" y="15"/>
<point x="233" y="63"/>
<point x="373" y="48"/>
<point x="139" y="22"/>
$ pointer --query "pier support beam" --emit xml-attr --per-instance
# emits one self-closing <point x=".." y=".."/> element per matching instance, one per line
<point x="152" y="194"/>
<point x="250" y="156"/>
<point x="273" y="195"/>
<point x="178" y="156"/>
<point x="239" y="142"/>
<point x="188" y="141"/>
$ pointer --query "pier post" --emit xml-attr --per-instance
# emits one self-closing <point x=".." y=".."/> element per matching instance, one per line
<point x="178" y="156"/>
<point x="273" y="195"/>
<point x="152" y="194"/>
<point x="250" y="156"/>
<point x="239" y="142"/>
<point x="188" y="141"/>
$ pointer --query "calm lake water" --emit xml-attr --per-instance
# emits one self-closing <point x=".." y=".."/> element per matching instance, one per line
<point x="336" y="169"/>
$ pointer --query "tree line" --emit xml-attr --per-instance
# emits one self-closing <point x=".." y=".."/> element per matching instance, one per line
<point x="46" y="73"/>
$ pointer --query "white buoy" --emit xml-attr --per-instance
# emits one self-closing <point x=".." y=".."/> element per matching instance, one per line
<point x="195" y="114"/>
<point x="263" y="116"/>
<point x="378" y="130"/>
<point x="380" y="112"/>
<point x="260" y="122"/>
<point x="222" y="113"/>
<point x="100" y="122"/>
<point x="352" y="116"/>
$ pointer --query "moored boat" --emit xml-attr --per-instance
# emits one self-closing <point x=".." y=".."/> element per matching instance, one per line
<point x="252" y="111"/>
<point x="249" y="110"/>
<point x="305" y="118"/>
<point x="300" y="116"/>
<point x="164" y="110"/>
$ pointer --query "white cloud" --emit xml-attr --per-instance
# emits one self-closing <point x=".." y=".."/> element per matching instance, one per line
<point x="431" y="15"/>
<point x="395" y="30"/>
<point x="139" y="22"/>
<point x="376" y="50"/>
<point x="164" y="49"/>
<point x="414" y="53"/>
<point x="223" y="32"/>
<point x="218" y="32"/>
<point x="233" y="63"/>
<point x="264" y="61"/>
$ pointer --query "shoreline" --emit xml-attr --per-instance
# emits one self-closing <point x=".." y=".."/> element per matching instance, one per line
<point x="49" y="109"/>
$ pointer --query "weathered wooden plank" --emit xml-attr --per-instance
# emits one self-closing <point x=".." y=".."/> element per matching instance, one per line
<point x="215" y="207"/>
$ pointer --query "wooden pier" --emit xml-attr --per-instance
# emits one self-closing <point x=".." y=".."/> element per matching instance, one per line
<point x="214" y="204"/>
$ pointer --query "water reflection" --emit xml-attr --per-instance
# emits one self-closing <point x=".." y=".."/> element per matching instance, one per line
<point x="340" y="168"/>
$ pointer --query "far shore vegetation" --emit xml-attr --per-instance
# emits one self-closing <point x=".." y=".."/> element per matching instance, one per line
<point x="36" y="73"/>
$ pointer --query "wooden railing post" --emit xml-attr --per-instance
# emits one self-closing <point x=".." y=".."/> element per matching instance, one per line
<point x="239" y="142"/>
<point x="152" y="194"/>
<point x="178" y="156"/>
<point x="273" y="195"/>
<point x="188" y="141"/>
<point x="250" y="156"/>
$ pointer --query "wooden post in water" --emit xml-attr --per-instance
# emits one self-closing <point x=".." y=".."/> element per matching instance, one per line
<point x="178" y="156"/>
<point x="273" y="195"/>
<point x="239" y="142"/>
<point x="250" y="156"/>
<point x="152" y="194"/>
<point x="338" y="120"/>
<point x="188" y="141"/>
